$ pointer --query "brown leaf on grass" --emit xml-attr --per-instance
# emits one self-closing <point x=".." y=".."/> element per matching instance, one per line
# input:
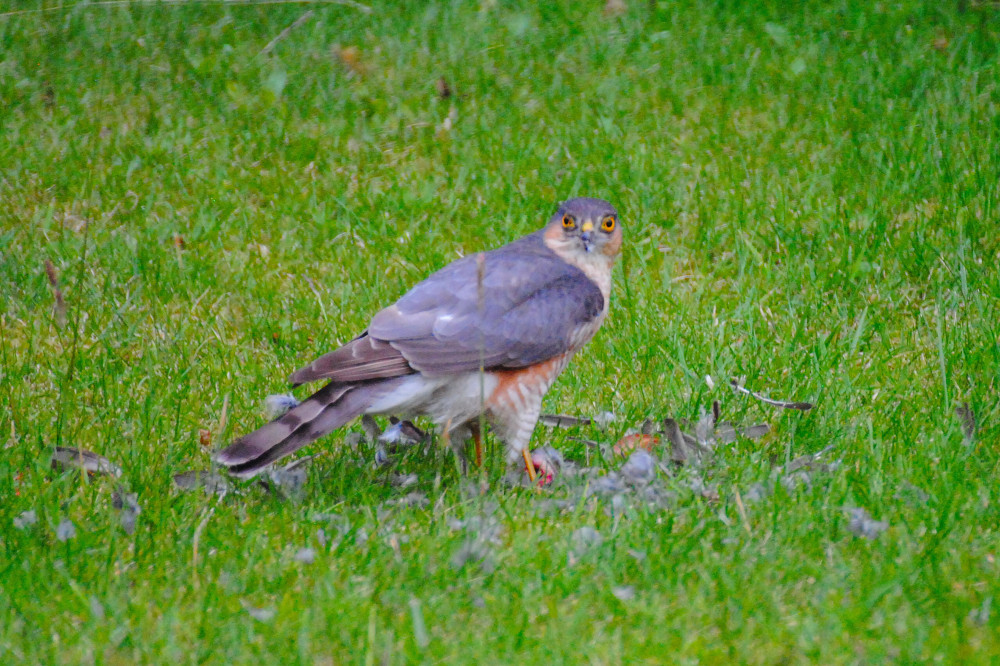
<point x="784" y="404"/>
<point x="67" y="457"/>
<point x="205" y="437"/>
<point x="59" y="306"/>
<point x="968" y="420"/>
<point x="350" y="57"/>
<point x="442" y="88"/>
<point x="630" y="443"/>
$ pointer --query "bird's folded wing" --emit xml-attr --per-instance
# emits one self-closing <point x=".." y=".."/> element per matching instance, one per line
<point x="528" y="308"/>
<point x="509" y="308"/>
<point x="361" y="359"/>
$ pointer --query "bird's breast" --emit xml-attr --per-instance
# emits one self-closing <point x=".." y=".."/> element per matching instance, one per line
<point x="525" y="386"/>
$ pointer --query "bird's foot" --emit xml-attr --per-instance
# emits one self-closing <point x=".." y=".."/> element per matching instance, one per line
<point x="547" y="462"/>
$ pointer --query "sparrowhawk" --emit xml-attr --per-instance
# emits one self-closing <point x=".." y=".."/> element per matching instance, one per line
<point x="485" y="336"/>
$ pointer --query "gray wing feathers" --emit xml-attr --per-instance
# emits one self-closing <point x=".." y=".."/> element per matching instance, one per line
<point x="532" y="305"/>
<point x="326" y="410"/>
<point x="361" y="359"/>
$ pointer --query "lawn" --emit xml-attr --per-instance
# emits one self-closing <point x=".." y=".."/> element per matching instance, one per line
<point x="197" y="198"/>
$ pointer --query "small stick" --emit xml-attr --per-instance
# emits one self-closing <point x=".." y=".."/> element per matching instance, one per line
<point x="364" y="9"/>
<point x="284" y="33"/>
<point x="804" y="406"/>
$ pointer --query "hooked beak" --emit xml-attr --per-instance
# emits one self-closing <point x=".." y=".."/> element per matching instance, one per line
<point x="587" y="235"/>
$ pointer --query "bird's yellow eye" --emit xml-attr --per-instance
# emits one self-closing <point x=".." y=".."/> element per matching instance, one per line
<point x="608" y="224"/>
<point x="568" y="222"/>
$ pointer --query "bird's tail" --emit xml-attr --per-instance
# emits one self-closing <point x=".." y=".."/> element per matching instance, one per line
<point x="324" y="411"/>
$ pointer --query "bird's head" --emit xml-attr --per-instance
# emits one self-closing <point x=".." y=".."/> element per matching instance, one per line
<point x="587" y="226"/>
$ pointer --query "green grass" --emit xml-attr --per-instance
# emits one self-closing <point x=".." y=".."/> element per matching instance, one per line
<point x="810" y="198"/>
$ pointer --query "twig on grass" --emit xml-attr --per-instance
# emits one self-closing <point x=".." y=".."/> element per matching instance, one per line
<point x="364" y="9"/>
<point x="284" y="33"/>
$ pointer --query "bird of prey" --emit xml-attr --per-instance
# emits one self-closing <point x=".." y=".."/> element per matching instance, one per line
<point x="483" y="337"/>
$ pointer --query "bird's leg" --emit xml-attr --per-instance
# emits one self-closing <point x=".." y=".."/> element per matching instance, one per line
<point x="461" y="460"/>
<point x="528" y="465"/>
<point x="456" y="444"/>
<point x="477" y="437"/>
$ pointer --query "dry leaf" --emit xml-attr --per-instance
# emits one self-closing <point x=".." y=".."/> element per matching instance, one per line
<point x="442" y="88"/>
<point x="630" y="443"/>
<point x="350" y="57"/>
